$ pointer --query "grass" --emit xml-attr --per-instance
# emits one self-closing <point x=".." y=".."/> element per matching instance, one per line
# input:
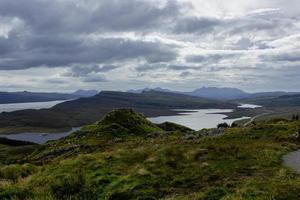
<point x="244" y="163"/>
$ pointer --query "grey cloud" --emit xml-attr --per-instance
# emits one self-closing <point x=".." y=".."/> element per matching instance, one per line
<point x="256" y="22"/>
<point x="91" y="15"/>
<point x="134" y="14"/>
<point x="81" y="71"/>
<point x="73" y="51"/>
<point x="290" y="56"/>
<point x="151" y="67"/>
<point x="210" y="58"/>
<point x="179" y="67"/>
<point x="5" y="46"/>
<point x="196" y="25"/>
<point x="55" y="33"/>
<point x="185" y="74"/>
<point x="91" y="38"/>
<point x="55" y="81"/>
<point x="94" y="79"/>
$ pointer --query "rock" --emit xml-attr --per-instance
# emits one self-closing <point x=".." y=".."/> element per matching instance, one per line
<point x="191" y="136"/>
<point x="212" y="132"/>
<point x="296" y="135"/>
<point x="118" y="140"/>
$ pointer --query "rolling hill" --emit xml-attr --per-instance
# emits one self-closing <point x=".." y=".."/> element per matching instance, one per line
<point x="85" y="93"/>
<point x="219" y="93"/>
<point x="224" y="94"/>
<point x="25" y="96"/>
<point x="125" y="156"/>
<point x="88" y="110"/>
<point x="276" y="101"/>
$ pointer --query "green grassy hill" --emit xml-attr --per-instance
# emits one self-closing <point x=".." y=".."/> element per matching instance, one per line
<point x="124" y="156"/>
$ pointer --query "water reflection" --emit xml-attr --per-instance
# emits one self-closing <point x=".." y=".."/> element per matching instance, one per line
<point x="39" y="138"/>
<point x="198" y="119"/>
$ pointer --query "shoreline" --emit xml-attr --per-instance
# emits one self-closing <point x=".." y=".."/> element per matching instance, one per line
<point x="37" y="130"/>
<point x="234" y="114"/>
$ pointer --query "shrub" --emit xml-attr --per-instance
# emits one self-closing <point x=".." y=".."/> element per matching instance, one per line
<point x="234" y="125"/>
<point x="13" y="192"/>
<point x="16" y="171"/>
<point x="223" y="125"/>
<point x="70" y="186"/>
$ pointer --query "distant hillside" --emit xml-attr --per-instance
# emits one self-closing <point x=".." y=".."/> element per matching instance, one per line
<point x="24" y="97"/>
<point x="204" y="92"/>
<point x="157" y="89"/>
<point x="219" y="93"/>
<point x="276" y="101"/>
<point x="88" y="110"/>
<point x="216" y="93"/>
<point x="85" y="93"/>
<point x="272" y="94"/>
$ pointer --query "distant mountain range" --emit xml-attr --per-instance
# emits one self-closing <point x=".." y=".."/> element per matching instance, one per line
<point x="25" y="97"/>
<point x="224" y="94"/>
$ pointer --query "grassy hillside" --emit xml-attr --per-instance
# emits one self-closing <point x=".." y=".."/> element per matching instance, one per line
<point x="124" y="156"/>
<point x="88" y="110"/>
<point x="273" y="107"/>
<point x="275" y="101"/>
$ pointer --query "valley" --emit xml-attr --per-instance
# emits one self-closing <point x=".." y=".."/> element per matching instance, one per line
<point x="84" y="111"/>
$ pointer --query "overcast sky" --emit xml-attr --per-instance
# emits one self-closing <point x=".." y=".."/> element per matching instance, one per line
<point x="64" y="45"/>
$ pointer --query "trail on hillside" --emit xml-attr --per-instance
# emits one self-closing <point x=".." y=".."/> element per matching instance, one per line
<point x="257" y="116"/>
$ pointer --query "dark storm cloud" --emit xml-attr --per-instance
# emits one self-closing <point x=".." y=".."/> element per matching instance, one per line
<point x="5" y="46"/>
<point x="88" y="16"/>
<point x="56" y="33"/>
<point x="90" y="40"/>
<point x="81" y="71"/>
<point x="134" y="15"/>
<point x="74" y="51"/>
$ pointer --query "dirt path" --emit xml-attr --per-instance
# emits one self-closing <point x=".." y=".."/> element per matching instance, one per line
<point x="254" y="118"/>
<point x="292" y="160"/>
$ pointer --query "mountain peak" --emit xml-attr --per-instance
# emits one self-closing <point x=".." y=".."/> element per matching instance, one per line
<point x="225" y="93"/>
<point x="126" y="121"/>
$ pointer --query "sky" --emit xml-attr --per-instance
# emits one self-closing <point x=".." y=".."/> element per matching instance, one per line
<point x="65" y="45"/>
